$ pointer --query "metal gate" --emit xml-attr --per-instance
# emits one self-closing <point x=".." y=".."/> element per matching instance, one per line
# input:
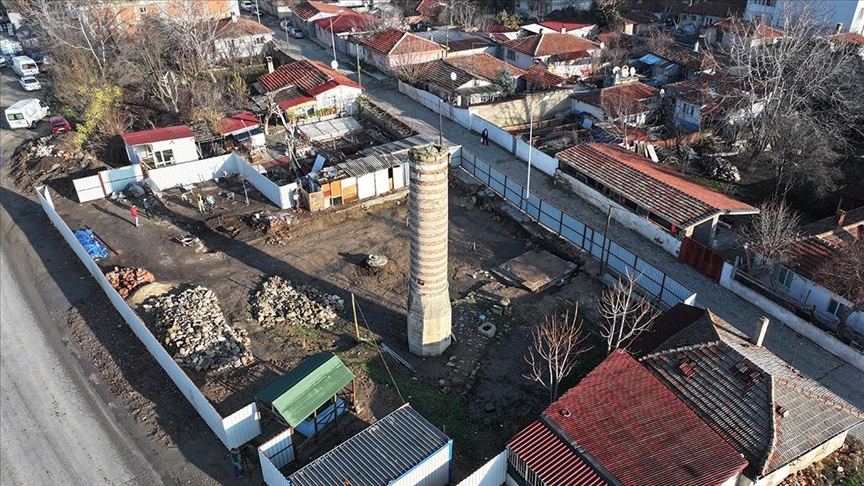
<point x="701" y="258"/>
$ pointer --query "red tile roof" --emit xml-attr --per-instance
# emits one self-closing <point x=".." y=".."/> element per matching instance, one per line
<point x="547" y="79"/>
<point x="392" y="41"/>
<point x="657" y="188"/>
<point x="430" y="8"/>
<point x="482" y="65"/>
<point x="292" y="102"/>
<point x="227" y="29"/>
<point x="557" y="25"/>
<point x="553" y="461"/>
<point x="158" y="135"/>
<point x="639" y="17"/>
<point x="348" y="22"/>
<point x="237" y="122"/>
<point x="307" y="10"/>
<point x="544" y="45"/>
<point x="763" y="407"/>
<point x="849" y="38"/>
<point x="823" y="238"/>
<point x="639" y="431"/>
<point x="748" y="28"/>
<point x="617" y="97"/>
<point x="312" y="77"/>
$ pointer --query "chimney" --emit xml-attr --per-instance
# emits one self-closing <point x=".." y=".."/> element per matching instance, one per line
<point x="563" y="30"/>
<point x="233" y="17"/>
<point x="839" y="28"/>
<point x="696" y="47"/>
<point x="269" y="64"/>
<point x="839" y="218"/>
<point x="761" y="330"/>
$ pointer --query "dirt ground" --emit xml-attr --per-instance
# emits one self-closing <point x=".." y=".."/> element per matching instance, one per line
<point x="475" y="392"/>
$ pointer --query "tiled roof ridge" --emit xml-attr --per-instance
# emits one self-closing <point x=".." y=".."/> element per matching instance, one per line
<point x="689" y="347"/>
<point x="772" y="445"/>
<point x="840" y="406"/>
<point x="401" y="38"/>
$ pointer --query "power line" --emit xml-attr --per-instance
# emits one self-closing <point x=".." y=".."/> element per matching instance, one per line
<point x="378" y="348"/>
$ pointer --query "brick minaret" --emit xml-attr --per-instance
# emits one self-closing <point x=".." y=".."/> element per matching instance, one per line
<point x="429" y="313"/>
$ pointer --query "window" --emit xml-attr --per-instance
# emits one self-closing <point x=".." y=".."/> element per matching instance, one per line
<point x="837" y="308"/>
<point x="689" y="109"/>
<point x="783" y="276"/>
<point x="164" y="157"/>
<point x="259" y="40"/>
<point x="142" y="9"/>
<point x="15" y="116"/>
<point x="511" y="54"/>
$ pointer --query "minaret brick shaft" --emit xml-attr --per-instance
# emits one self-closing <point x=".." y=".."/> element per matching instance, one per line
<point x="429" y="313"/>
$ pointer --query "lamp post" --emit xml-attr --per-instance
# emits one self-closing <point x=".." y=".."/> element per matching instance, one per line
<point x="441" y="117"/>
<point x="335" y="63"/>
<point x="530" y="144"/>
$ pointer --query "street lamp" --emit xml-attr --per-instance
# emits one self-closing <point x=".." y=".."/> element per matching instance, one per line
<point x="335" y="63"/>
<point x="440" y="116"/>
<point x="530" y="144"/>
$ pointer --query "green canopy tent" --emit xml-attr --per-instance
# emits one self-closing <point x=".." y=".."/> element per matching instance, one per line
<point x="295" y="396"/>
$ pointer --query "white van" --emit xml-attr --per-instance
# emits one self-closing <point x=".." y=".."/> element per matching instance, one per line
<point x="25" y="113"/>
<point x="24" y="66"/>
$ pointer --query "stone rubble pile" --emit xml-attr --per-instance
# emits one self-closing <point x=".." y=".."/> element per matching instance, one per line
<point x="195" y="333"/>
<point x="127" y="279"/>
<point x="280" y="301"/>
<point x="721" y="169"/>
<point x="44" y="148"/>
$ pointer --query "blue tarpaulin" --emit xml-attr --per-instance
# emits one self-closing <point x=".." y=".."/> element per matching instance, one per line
<point x="94" y="246"/>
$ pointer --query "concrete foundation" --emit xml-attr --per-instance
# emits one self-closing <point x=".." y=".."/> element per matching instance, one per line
<point x="429" y="312"/>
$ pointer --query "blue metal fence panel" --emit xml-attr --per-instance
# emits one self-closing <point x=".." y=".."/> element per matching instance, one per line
<point x="497" y="181"/>
<point x="550" y="216"/>
<point x="597" y="245"/>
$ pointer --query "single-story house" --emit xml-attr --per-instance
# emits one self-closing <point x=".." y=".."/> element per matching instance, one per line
<point x="621" y="426"/>
<point x="343" y="24"/>
<point x="699" y="15"/>
<point x="578" y="28"/>
<point x="779" y="420"/>
<point x="400" y="449"/>
<point x="467" y="80"/>
<point x="500" y="33"/>
<point x="390" y="49"/>
<point x="736" y="33"/>
<point x="244" y="128"/>
<point x="800" y="282"/>
<point x="458" y="42"/>
<point x="639" y="23"/>
<point x="304" y="14"/>
<point x="708" y="99"/>
<point x="314" y="81"/>
<point x="161" y="146"/>
<point x="630" y="102"/>
<point x="660" y="196"/>
<point x="561" y="54"/>
<point x="239" y="37"/>
<point x="676" y="62"/>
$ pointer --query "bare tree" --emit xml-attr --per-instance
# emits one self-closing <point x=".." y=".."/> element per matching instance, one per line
<point x="410" y="68"/>
<point x="625" y="312"/>
<point x="771" y="235"/>
<point x="555" y="348"/>
<point x="843" y="274"/>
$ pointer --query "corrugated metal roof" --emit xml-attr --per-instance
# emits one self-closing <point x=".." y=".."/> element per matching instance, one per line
<point x="398" y="145"/>
<point x="373" y="163"/>
<point x="650" y="59"/>
<point x="305" y="388"/>
<point x="157" y="135"/>
<point x="378" y="455"/>
<point x="553" y="461"/>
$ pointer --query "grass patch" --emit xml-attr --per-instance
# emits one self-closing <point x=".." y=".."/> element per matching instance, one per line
<point x="445" y="411"/>
<point x="716" y="185"/>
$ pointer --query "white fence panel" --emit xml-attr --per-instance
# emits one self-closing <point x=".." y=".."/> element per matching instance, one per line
<point x="463" y="117"/>
<point x="493" y="473"/>
<point x="276" y="453"/>
<point x="382" y="182"/>
<point x="365" y="186"/>
<point x="242" y="426"/>
<point x="496" y="134"/>
<point x="184" y="384"/>
<point x="194" y="172"/>
<point x="117" y="179"/>
<point x="286" y="193"/>
<point x="432" y="471"/>
<point x="266" y="186"/>
<point x="89" y="188"/>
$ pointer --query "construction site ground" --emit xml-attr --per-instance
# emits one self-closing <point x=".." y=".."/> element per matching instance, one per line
<point x="475" y="392"/>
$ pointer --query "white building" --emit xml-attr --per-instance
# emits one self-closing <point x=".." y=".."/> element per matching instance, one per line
<point x="161" y="146"/>
<point x="543" y="7"/>
<point x="848" y="14"/>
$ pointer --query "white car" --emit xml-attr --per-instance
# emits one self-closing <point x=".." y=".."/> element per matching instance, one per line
<point x="247" y="5"/>
<point x="29" y="83"/>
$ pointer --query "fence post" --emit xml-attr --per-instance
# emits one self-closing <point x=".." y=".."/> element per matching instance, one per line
<point x="662" y="286"/>
<point x="603" y="251"/>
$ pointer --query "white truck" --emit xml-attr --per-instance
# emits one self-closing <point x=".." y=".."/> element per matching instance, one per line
<point x="24" y="66"/>
<point x="25" y="113"/>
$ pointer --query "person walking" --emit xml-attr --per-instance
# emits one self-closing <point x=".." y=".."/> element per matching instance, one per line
<point x="134" y="211"/>
<point x="200" y="204"/>
<point x="146" y="205"/>
<point x="485" y="136"/>
<point x="211" y="203"/>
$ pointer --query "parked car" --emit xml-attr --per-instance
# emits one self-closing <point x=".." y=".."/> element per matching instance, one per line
<point x="60" y="124"/>
<point x="25" y="113"/>
<point x="3" y="62"/>
<point x="247" y="5"/>
<point x="24" y="66"/>
<point x="295" y="32"/>
<point x="29" y="83"/>
<point x="37" y="56"/>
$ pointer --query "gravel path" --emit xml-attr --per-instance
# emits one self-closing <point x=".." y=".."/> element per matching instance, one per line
<point x="809" y="358"/>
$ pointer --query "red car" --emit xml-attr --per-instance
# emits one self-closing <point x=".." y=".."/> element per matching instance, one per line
<point x="60" y="124"/>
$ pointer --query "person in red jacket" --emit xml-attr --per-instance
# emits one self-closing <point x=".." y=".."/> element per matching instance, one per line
<point x="134" y="211"/>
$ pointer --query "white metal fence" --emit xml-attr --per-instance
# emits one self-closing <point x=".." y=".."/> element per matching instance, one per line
<point x="106" y="182"/>
<point x="274" y="454"/>
<point x="666" y="289"/>
<point x="194" y="172"/>
<point x="493" y="473"/>
<point x="234" y="431"/>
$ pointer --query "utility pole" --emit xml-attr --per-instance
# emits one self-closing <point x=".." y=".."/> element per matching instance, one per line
<point x="603" y="255"/>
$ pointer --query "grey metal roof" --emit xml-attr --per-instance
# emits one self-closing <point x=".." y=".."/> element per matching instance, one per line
<point x="398" y="145"/>
<point x="372" y="163"/>
<point x="378" y="455"/>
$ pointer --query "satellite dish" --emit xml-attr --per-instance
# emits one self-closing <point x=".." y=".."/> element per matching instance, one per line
<point x="632" y="71"/>
<point x="616" y="70"/>
<point x="662" y="92"/>
<point x="334" y="64"/>
<point x="625" y="68"/>
<point x="453" y="76"/>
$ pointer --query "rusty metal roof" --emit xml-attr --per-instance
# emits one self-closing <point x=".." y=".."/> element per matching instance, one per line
<point x="369" y="164"/>
<point x="552" y="459"/>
